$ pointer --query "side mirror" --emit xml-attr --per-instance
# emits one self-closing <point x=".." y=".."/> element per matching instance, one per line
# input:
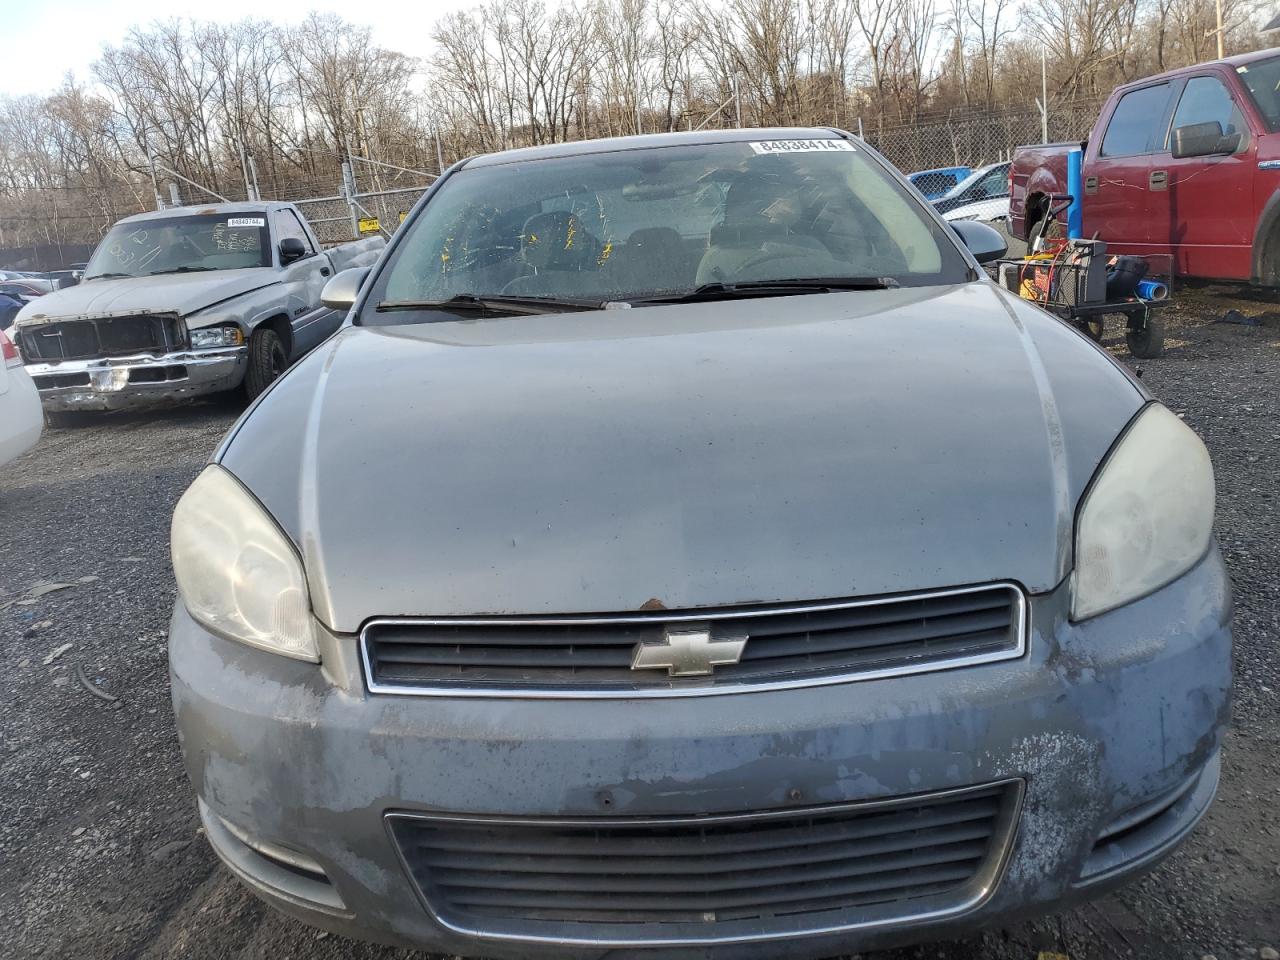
<point x="984" y="242"/>
<point x="1203" y="140"/>
<point x="291" y="249"/>
<point x="340" y="292"/>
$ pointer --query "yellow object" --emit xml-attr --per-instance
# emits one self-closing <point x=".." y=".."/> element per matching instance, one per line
<point x="369" y="225"/>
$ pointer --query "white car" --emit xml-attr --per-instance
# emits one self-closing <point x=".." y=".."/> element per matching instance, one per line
<point x="21" y="419"/>
<point x="983" y="195"/>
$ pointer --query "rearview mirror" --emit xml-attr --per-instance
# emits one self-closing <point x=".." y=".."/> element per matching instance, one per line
<point x="1203" y="140"/>
<point x="340" y="292"/>
<point x="291" y="249"/>
<point x="984" y="242"/>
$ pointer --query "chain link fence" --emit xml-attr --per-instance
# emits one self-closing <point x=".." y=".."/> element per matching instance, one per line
<point x="343" y="216"/>
<point x="976" y="137"/>
<point x="365" y="196"/>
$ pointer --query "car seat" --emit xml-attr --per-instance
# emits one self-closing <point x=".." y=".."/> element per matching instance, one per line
<point x="655" y="259"/>
<point x="553" y="245"/>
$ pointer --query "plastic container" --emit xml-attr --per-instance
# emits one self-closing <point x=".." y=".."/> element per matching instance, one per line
<point x="1152" y="290"/>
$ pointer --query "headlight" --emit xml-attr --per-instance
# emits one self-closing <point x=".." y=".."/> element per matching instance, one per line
<point x="237" y="574"/>
<point x="1148" y="517"/>
<point x="216" y="337"/>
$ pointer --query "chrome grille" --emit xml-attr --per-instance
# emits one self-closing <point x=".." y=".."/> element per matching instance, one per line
<point x="713" y="877"/>
<point x="793" y="644"/>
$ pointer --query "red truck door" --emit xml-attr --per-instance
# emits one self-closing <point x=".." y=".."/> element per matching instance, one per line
<point x="1204" y="214"/>
<point x="1117" y="169"/>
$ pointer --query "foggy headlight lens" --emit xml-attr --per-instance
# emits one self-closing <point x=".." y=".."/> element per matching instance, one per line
<point x="237" y="574"/>
<point x="216" y="337"/>
<point x="1148" y="517"/>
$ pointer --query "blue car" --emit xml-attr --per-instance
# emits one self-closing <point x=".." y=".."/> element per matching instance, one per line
<point x="935" y="183"/>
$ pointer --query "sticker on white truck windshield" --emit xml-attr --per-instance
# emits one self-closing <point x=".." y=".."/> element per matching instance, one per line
<point x="802" y="146"/>
<point x="246" y="221"/>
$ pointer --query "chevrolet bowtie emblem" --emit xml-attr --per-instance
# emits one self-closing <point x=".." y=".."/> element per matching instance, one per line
<point x="688" y="652"/>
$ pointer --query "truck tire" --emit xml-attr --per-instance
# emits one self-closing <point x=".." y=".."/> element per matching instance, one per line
<point x="1145" y="341"/>
<point x="1055" y="232"/>
<point x="267" y="360"/>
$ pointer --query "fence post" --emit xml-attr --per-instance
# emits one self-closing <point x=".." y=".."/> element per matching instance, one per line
<point x="349" y="191"/>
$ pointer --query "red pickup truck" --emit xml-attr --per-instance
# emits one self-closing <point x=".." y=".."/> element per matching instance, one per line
<point x="1186" y="164"/>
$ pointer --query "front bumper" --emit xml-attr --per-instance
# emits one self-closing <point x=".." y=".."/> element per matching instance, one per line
<point x="117" y="383"/>
<point x="1098" y="722"/>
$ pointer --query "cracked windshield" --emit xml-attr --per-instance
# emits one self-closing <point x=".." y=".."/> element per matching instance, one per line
<point x="648" y="222"/>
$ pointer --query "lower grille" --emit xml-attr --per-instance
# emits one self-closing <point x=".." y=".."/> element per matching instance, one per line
<point x="53" y="381"/>
<point x="795" y="643"/>
<point x="103" y="337"/>
<point x="714" y="877"/>
<point x="158" y="374"/>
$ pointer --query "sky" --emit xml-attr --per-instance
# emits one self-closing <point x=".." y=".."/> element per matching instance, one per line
<point x="46" y="38"/>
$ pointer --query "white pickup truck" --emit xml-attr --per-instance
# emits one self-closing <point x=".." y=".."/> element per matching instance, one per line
<point x="185" y="302"/>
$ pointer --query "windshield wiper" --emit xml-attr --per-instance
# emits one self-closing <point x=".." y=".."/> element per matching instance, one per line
<point x="771" y="288"/>
<point x="107" y="276"/>
<point x="494" y="303"/>
<point x="156" y="273"/>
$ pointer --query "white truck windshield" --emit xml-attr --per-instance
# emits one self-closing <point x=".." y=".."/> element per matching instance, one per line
<point x="144" y="248"/>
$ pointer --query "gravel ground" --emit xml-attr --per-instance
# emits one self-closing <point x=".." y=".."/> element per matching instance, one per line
<point x="99" y="851"/>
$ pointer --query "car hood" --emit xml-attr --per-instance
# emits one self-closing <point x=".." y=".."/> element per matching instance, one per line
<point x="183" y="293"/>
<point x="792" y="448"/>
<point x="995" y="208"/>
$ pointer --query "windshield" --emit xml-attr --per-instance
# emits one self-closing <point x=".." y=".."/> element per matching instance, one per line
<point x="643" y="223"/>
<point x="181" y="244"/>
<point x="966" y="183"/>
<point x="1262" y="79"/>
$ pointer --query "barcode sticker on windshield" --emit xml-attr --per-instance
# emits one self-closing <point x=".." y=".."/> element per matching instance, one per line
<point x="246" y="221"/>
<point x="802" y="146"/>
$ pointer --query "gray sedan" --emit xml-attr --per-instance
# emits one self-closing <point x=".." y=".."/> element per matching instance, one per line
<point x="685" y="550"/>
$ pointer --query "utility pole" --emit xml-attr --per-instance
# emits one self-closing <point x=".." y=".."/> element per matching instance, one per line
<point x="155" y="184"/>
<point x="636" y="85"/>
<point x="737" y="101"/>
<point x="1218" y="5"/>
<point x="244" y="171"/>
<point x="439" y="154"/>
<point x="1043" y="101"/>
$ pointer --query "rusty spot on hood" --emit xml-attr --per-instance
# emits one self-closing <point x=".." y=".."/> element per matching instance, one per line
<point x="653" y="603"/>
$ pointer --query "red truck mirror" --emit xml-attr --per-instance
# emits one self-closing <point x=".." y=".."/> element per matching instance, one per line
<point x="1203" y="140"/>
